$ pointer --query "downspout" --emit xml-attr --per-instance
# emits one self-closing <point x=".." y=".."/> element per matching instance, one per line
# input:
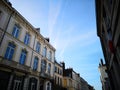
<point x="6" y="28"/>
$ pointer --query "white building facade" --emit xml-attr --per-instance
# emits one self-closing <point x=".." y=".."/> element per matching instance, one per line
<point x="26" y="57"/>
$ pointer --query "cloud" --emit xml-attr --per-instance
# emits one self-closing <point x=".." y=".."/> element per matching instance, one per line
<point x="70" y="40"/>
<point x="54" y="11"/>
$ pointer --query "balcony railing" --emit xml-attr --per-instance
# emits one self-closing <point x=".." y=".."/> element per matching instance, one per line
<point x="13" y="64"/>
<point x="45" y="75"/>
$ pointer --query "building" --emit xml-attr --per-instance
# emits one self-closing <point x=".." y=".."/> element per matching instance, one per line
<point x="26" y="57"/>
<point x="58" y="76"/>
<point x="104" y="77"/>
<point x="108" y="30"/>
<point x="71" y="79"/>
<point x="85" y="85"/>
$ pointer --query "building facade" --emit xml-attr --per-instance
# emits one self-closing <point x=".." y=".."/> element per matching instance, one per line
<point x="58" y="76"/>
<point x="71" y="79"/>
<point x="108" y="30"/>
<point x="104" y="77"/>
<point x="85" y="85"/>
<point x="26" y="57"/>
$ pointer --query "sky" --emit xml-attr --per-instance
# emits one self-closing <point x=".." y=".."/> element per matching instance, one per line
<point x="71" y="27"/>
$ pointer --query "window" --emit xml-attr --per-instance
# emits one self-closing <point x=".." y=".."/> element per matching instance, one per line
<point x="50" y="55"/>
<point x="60" y="81"/>
<point x="32" y="86"/>
<point x="49" y="68"/>
<point x="10" y="51"/>
<point x="38" y="47"/>
<point x="43" y="66"/>
<point x="109" y="34"/>
<point x="35" y="65"/>
<point x="23" y="56"/>
<point x="44" y="51"/>
<point x="106" y="18"/>
<point x="17" y="85"/>
<point x="55" y="69"/>
<point x="60" y="72"/>
<point x="55" y="80"/>
<point x="16" y="30"/>
<point x="48" y="86"/>
<point x="27" y="39"/>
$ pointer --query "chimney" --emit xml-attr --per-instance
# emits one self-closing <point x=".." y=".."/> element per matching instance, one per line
<point x="101" y="61"/>
<point x="63" y="64"/>
<point x="47" y="39"/>
<point x="38" y="29"/>
<point x="8" y="2"/>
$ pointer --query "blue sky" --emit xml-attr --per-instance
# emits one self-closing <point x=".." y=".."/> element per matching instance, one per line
<point x="71" y="27"/>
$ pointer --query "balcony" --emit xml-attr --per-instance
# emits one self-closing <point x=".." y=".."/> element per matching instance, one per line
<point x="13" y="65"/>
<point x="45" y="75"/>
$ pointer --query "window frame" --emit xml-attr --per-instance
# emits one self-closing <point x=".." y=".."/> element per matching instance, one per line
<point x="49" y="68"/>
<point x="50" y="55"/>
<point x="23" y="55"/>
<point x="38" y="47"/>
<point x="43" y="66"/>
<point x="35" y="66"/>
<point x="17" y="84"/>
<point x="9" y="53"/>
<point x="44" y="52"/>
<point x="27" y="39"/>
<point x="16" y="31"/>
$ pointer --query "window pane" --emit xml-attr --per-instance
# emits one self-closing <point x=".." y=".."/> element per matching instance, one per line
<point x="27" y="39"/>
<point x="43" y="66"/>
<point x="23" y="57"/>
<point x="15" y="31"/>
<point x="38" y="47"/>
<point x="9" y="51"/>
<point x="44" y="51"/>
<point x="49" y="68"/>
<point x="35" y="65"/>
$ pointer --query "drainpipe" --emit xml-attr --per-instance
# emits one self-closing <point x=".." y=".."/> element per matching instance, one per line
<point x="6" y="28"/>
